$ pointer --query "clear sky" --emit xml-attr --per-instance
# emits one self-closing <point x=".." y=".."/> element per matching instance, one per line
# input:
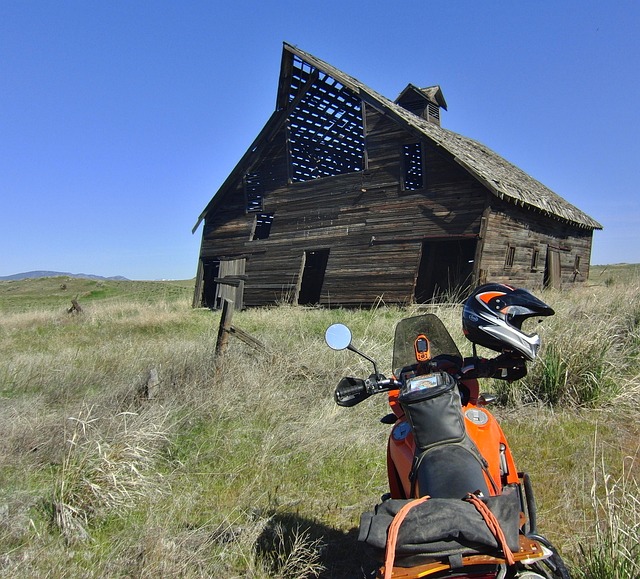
<point x="120" y="119"/>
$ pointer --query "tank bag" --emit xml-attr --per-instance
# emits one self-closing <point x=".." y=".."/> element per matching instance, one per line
<point x="447" y="463"/>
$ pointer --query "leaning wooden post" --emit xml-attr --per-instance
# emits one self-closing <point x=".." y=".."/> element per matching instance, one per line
<point x="225" y="326"/>
<point x="75" y="307"/>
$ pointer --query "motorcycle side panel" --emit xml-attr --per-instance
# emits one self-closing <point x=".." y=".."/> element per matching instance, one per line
<point x="486" y="433"/>
<point x="400" y="453"/>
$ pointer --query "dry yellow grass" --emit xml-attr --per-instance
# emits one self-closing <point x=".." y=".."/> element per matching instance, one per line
<point x="248" y="469"/>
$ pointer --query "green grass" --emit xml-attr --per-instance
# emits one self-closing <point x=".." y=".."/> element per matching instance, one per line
<point x="247" y="468"/>
<point x="57" y="292"/>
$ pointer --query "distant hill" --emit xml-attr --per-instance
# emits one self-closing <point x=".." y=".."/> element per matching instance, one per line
<point x="37" y="274"/>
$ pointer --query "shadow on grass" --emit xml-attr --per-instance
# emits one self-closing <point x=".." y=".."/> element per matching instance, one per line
<point x="340" y="553"/>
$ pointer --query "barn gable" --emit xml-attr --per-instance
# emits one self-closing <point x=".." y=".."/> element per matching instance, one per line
<point x="344" y="187"/>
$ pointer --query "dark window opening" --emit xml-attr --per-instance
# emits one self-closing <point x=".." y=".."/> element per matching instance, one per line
<point x="446" y="269"/>
<point x="413" y="169"/>
<point x="253" y="190"/>
<point x="535" y="257"/>
<point x="262" y="226"/>
<point x="510" y="258"/>
<point x="326" y="133"/>
<point x="211" y="272"/>
<point x="315" y="265"/>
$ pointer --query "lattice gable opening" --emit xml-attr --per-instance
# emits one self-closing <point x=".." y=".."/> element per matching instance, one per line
<point x="326" y="133"/>
<point x="413" y="177"/>
<point x="264" y="177"/>
<point x="254" y="191"/>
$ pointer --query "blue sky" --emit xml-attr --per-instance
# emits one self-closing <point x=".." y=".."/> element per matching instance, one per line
<point x="119" y="120"/>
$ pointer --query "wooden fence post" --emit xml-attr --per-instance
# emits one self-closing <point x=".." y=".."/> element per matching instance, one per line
<point x="226" y="328"/>
<point x="225" y="325"/>
<point x="75" y="307"/>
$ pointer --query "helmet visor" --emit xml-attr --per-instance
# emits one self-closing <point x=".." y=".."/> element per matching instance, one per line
<point x="517" y="315"/>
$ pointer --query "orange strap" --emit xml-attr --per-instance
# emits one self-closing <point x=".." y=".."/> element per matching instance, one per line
<point x="494" y="527"/>
<point x="392" y="535"/>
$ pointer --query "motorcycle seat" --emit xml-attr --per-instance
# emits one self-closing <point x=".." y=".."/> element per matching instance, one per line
<point x="450" y="471"/>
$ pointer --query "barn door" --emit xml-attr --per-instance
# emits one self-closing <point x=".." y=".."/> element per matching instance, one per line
<point x="446" y="268"/>
<point x="313" y="268"/>
<point x="224" y="279"/>
<point x="230" y="282"/>
<point x="211" y="267"/>
<point x="553" y="271"/>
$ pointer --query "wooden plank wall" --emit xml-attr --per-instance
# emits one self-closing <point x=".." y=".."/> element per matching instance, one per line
<point x="527" y="232"/>
<point x="374" y="230"/>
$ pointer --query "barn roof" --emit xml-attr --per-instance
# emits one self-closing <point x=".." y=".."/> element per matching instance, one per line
<point x="501" y="177"/>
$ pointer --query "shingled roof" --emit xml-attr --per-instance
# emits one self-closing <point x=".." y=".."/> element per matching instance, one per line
<point x="502" y="178"/>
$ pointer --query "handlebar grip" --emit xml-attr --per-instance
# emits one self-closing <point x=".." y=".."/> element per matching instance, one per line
<point x="507" y="367"/>
<point x="350" y="387"/>
<point x="351" y="391"/>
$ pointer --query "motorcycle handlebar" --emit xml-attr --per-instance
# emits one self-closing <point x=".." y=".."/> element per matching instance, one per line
<point x="507" y="366"/>
<point x="350" y="387"/>
<point x="351" y="391"/>
<point x="377" y="383"/>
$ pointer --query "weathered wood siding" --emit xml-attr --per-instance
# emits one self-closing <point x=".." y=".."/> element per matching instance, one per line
<point x="373" y="229"/>
<point x="528" y="232"/>
<point x="403" y="211"/>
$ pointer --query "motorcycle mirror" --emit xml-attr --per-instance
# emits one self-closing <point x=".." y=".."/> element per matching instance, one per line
<point x="338" y="337"/>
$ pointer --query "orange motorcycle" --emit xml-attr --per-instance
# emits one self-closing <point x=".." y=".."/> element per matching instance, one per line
<point x="457" y="505"/>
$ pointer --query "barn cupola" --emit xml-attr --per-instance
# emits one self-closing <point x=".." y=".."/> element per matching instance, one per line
<point x="424" y="102"/>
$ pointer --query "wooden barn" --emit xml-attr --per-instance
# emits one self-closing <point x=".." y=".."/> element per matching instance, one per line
<point x="346" y="197"/>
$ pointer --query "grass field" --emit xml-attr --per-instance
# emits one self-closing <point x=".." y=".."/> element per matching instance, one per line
<point x="616" y="274"/>
<point x="126" y="450"/>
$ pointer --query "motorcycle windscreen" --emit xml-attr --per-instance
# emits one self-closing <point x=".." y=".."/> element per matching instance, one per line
<point x="429" y="325"/>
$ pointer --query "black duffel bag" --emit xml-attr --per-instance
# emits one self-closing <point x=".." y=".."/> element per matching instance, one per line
<point x="444" y="527"/>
